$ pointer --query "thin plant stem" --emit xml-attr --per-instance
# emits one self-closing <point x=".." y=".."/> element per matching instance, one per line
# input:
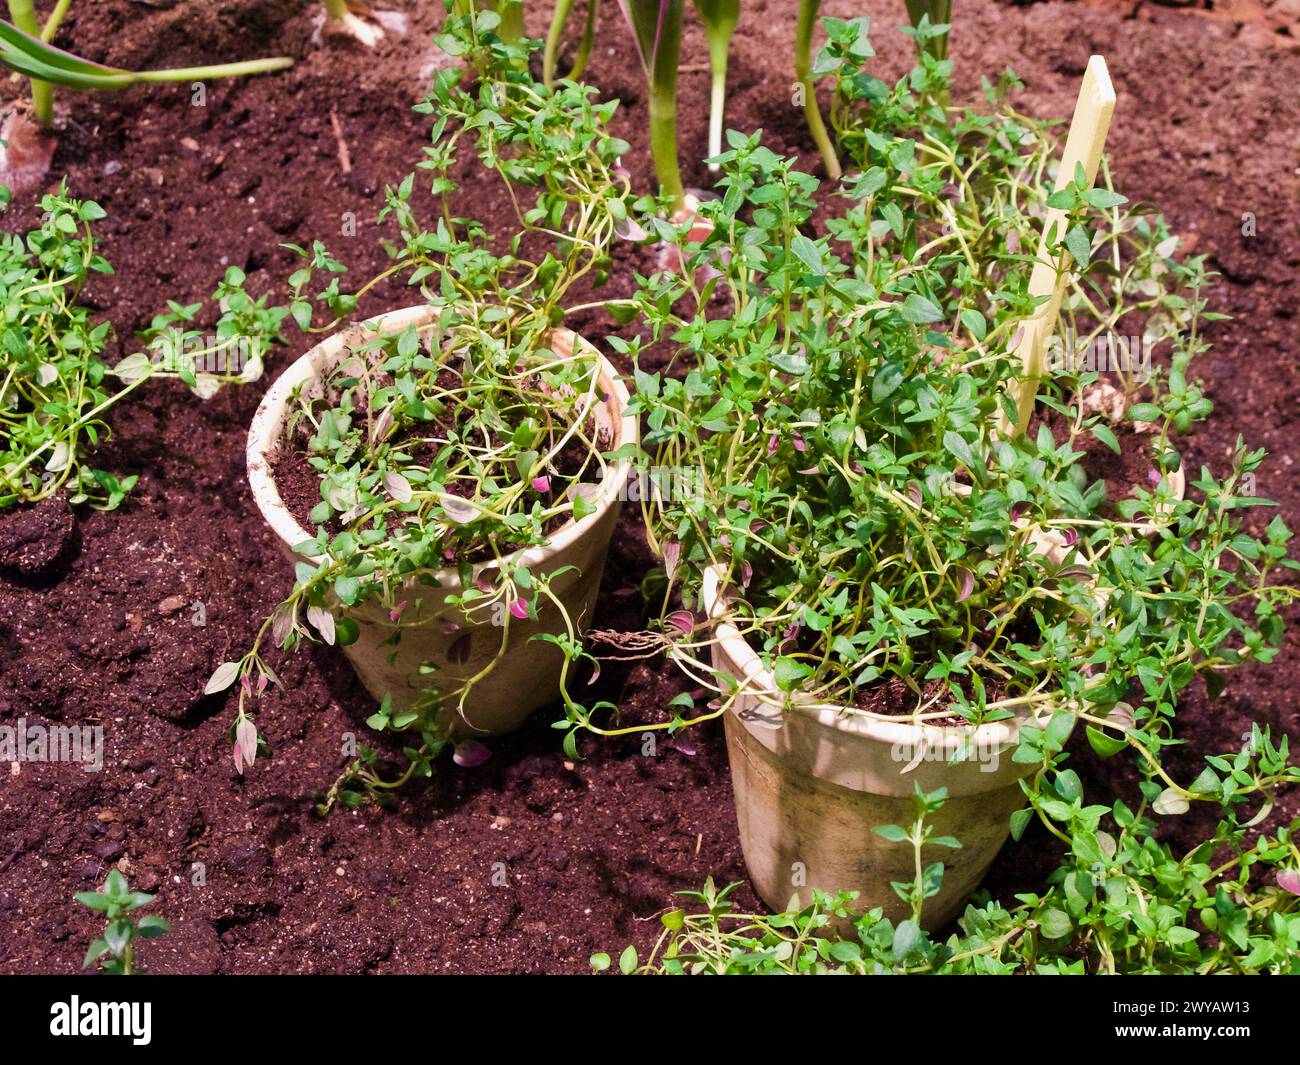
<point x="55" y="20"/>
<point x="23" y="15"/>
<point x="558" y="19"/>
<point x="218" y="70"/>
<point x="584" y="45"/>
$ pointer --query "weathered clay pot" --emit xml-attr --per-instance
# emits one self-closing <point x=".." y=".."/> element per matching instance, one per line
<point x="526" y="675"/>
<point x="814" y="782"/>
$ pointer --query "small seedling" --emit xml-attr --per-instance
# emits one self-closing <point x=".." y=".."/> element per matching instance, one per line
<point x="116" y="901"/>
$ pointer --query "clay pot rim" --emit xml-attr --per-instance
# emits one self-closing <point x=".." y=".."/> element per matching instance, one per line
<point x="758" y="680"/>
<point x="265" y="437"/>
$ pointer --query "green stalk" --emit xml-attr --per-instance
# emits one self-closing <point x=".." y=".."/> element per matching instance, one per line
<point x="53" y="22"/>
<point x="22" y="13"/>
<point x="719" y="18"/>
<point x="940" y="12"/>
<point x="218" y="70"/>
<point x="558" y="18"/>
<point x="803" y="72"/>
<point x="663" y="105"/>
<point x="337" y="9"/>
<point x="584" y="45"/>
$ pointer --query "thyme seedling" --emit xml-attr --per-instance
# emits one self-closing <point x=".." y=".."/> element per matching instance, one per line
<point x="117" y="902"/>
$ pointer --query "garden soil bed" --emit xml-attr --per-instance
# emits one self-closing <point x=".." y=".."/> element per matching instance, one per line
<point x="528" y="862"/>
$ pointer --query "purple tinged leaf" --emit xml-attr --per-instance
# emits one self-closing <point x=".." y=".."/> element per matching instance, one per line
<point x="1071" y="536"/>
<point x="282" y="623"/>
<point x="672" y="555"/>
<point x="398" y="487"/>
<point x="383" y="424"/>
<point x="772" y="445"/>
<point x="519" y="608"/>
<point x="246" y="740"/>
<point x="542" y="484"/>
<point x="682" y="620"/>
<point x="1289" y="880"/>
<point x="457" y="510"/>
<point x="323" y="622"/>
<point x="798" y="441"/>
<point x="470" y="753"/>
<point x="396" y="612"/>
<point x="746" y="574"/>
<point x="811" y="469"/>
<point x="967" y="585"/>
<point x="630" y="229"/>
<point x="222" y="678"/>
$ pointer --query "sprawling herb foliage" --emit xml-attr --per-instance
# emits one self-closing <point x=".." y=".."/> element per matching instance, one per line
<point x="440" y="452"/>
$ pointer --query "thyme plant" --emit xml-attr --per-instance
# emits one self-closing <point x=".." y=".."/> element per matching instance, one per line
<point x="118" y="903"/>
<point x="436" y="452"/>
<point x="55" y="389"/>
<point x="1120" y="903"/>
<point x="836" y="397"/>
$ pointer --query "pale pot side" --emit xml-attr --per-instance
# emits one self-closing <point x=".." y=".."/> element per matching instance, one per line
<point x="812" y="784"/>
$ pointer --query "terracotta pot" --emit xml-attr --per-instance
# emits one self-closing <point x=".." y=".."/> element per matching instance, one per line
<point x="813" y="783"/>
<point x="526" y="676"/>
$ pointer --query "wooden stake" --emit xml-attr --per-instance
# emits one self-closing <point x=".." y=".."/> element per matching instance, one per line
<point x="1083" y="147"/>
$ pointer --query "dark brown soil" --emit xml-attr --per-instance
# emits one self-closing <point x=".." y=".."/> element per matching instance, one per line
<point x="135" y="608"/>
<point x="894" y="697"/>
